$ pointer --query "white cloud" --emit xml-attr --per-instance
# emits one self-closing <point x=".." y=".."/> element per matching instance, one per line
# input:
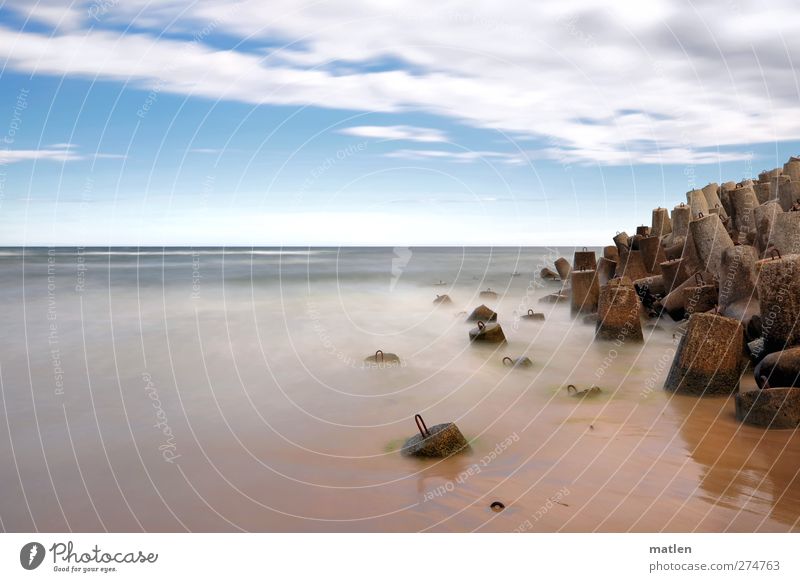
<point x="460" y="156"/>
<point x="53" y="154"/>
<point x="613" y="83"/>
<point x="60" y="152"/>
<point x="397" y="132"/>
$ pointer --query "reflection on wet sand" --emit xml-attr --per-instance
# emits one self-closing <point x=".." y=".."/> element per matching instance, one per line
<point x="751" y="471"/>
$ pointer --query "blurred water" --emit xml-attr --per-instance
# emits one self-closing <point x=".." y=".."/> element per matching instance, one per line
<point x="225" y="389"/>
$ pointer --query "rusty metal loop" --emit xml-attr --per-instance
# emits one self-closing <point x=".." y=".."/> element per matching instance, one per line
<point x="421" y="426"/>
<point x="699" y="215"/>
<point x="571" y="389"/>
<point x="698" y="278"/>
<point x="682" y="205"/>
<point x="497" y="506"/>
<point x="481" y="325"/>
<point x="772" y="252"/>
<point x="530" y="312"/>
<point x="376" y="356"/>
<point x="585" y="249"/>
<point x="509" y="359"/>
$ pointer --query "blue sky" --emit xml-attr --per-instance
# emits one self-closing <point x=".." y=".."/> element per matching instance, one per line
<point x="201" y="123"/>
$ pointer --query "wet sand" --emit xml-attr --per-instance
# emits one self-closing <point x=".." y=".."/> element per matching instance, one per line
<point x="211" y="392"/>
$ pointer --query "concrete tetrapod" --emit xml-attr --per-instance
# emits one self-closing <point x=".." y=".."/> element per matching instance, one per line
<point x="482" y="313"/>
<point x="606" y="269"/>
<point x="585" y="291"/>
<point x="779" y="369"/>
<point x="652" y="254"/>
<point x="710" y="239"/>
<point x="779" y="295"/>
<point x="708" y="359"/>
<point x="487" y="332"/>
<point x="765" y="215"/>
<point x="697" y="202"/>
<point x="737" y="275"/>
<point x="773" y="408"/>
<point x="662" y="225"/>
<point x="441" y="440"/>
<point x="786" y="232"/>
<point x="712" y="198"/>
<point x="618" y="312"/>
<point x="674" y="273"/>
<point x="584" y="260"/>
<point x="563" y="268"/>
<point x="381" y="359"/>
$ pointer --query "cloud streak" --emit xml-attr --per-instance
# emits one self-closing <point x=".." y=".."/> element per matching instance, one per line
<point x="397" y="133"/>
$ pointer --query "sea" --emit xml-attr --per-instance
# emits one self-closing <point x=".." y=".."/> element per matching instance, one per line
<point x="226" y="389"/>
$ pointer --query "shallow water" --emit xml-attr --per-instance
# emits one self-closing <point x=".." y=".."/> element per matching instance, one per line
<point x="206" y="390"/>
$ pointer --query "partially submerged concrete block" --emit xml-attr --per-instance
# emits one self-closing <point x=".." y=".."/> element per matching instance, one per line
<point x="487" y="332"/>
<point x="482" y="313"/>
<point x="441" y="440"/>
<point x="708" y="359"/>
<point x="773" y="408"/>
<point x="618" y="312"/>
<point x="585" y="291"/>
<point x="779" y="294"/>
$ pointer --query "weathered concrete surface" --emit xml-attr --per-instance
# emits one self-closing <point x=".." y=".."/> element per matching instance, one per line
<point x="779" y="294"/>
<point x="380" y="358"/>
<point x="674" y="273"/>
<point x="563" y="268"/>
<point x="652" y="254"/>
<point x="788" y="194"/>
<point x="584" y="261"/>
<point x="533" y="316"/>
<point x="765" y="215"/>
<point x="737" y="275"/>
<point x="786" y="233"/>
<point x="710" y="240"/>
<point x="697" y="202"/>
<point x="662" y="225"/>
<point x="611" y="253"/>
<point x="681" y="216"/>
<point x="634" y="266"/>
<point x="618" y="313"/>
<point x="482" y="313"/>
<point x="725" y="196"/>
<point x="773" y="408"/>
<point x="622" y="240"/>
<point x="675" y="303"/>
<point x="557" y="297"/>
<point x="700" y="298"/>
<point x="549" y="275"/>
<point x="487" y="332"/>
<point x="743" y="201"/>
<point x="585" y="291"/>
<point x="792" y="169"/>
<point x="708" y="359"/>
<point x="779" y="369"/>
<point x="606" y="269"/>
<point x="444" y="440"/>
<point x="712" y="199"/>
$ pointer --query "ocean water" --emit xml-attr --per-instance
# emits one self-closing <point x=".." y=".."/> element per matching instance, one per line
<point x="226" y="390"/>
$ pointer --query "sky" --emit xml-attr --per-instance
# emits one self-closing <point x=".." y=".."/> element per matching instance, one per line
<point x="366" y="122"/>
